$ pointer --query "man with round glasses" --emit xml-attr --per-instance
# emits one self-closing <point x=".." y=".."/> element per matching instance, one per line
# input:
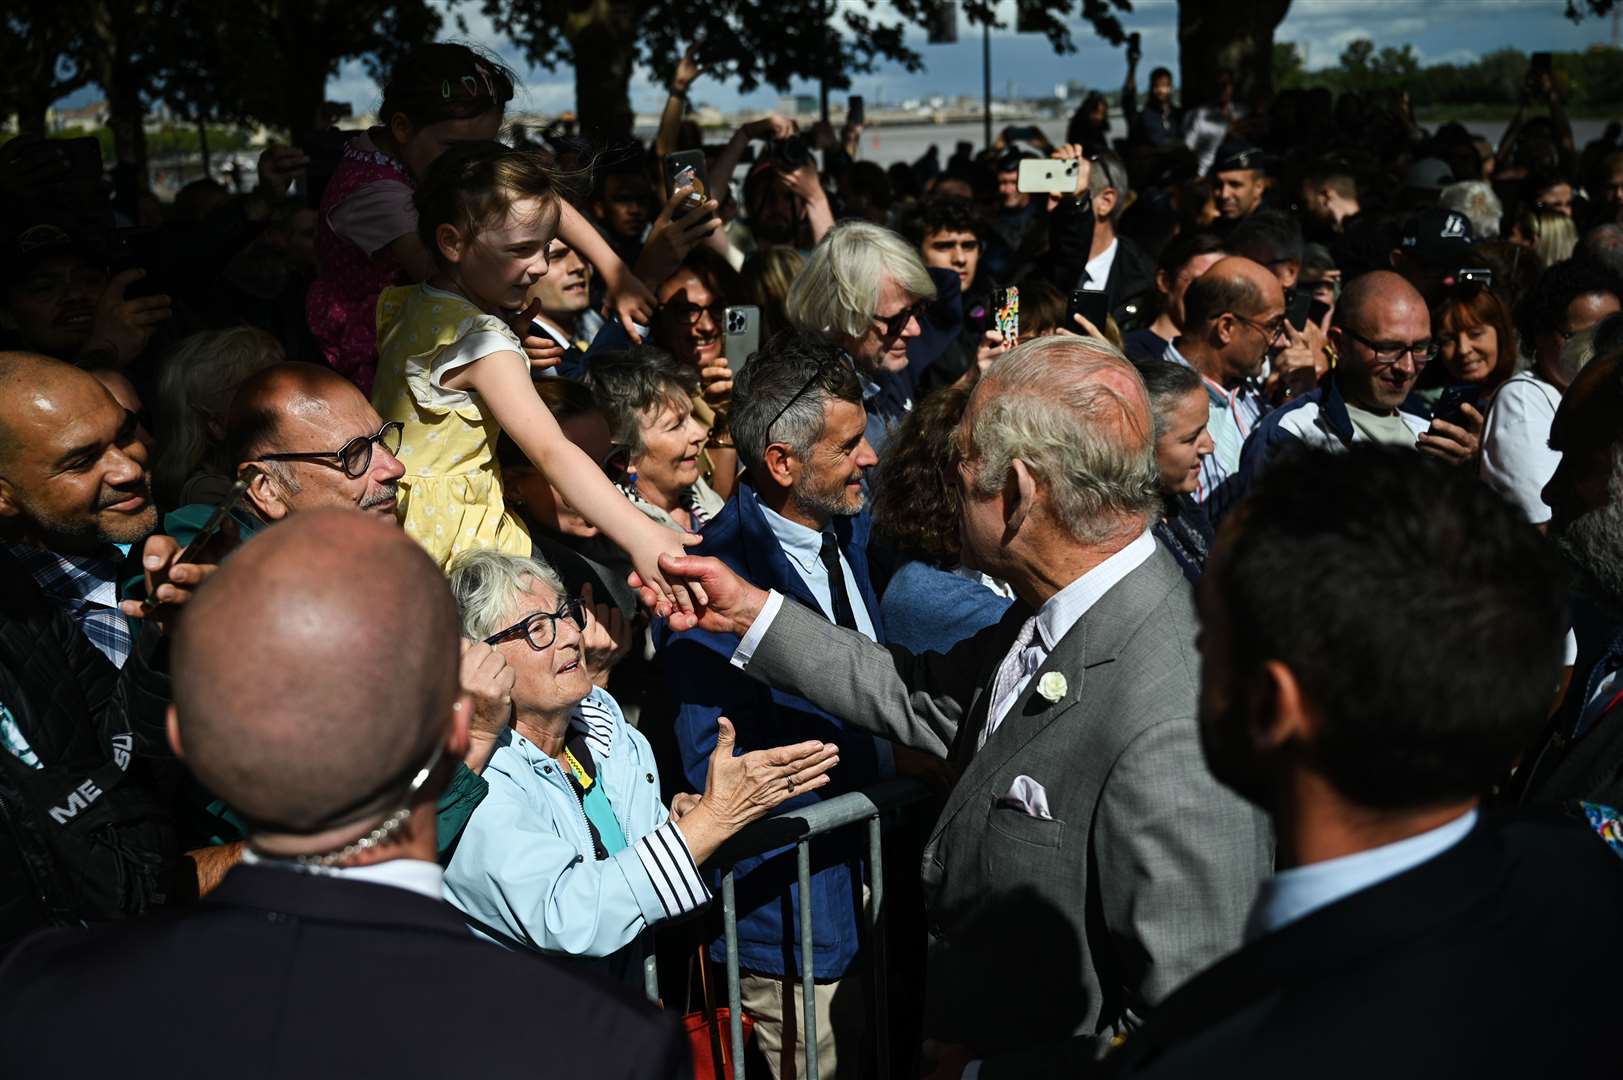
<point x="1382" y="337"/>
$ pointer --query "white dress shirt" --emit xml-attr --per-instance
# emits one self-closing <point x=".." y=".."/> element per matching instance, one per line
<point x="804" y="547"/>
<point x="1291" y="894"/>
<point x="1061" y="612"/>
<point x="414" y="875"/>
<point x="1098" y="268"/>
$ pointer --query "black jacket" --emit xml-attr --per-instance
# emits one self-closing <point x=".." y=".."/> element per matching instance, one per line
<point x="100" y="857"/>
<point x="283" y="974"/>
<point x="1499" y="957"/>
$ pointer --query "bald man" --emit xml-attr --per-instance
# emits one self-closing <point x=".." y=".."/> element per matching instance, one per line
<point x="317" y="691"/>
<point x="313" y="440"/>
<point x="1068" y="887"/>
<point x="1234" y="320"/>
<point x="1382" y="337"/>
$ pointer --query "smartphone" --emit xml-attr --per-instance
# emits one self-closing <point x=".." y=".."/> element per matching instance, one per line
<point x="1296" y="305"/>
<point x="741" y="335"/>
<point x="136" y="247"/>
<point x="1048" y="176"/>
<point x="686" y="168"/>
<point x="1316" y="311"/>
<point x="1453" y="400"/>
<point x="1481" y="276"/>
<point x="1092" y="304"/>
<point x="211" y="528"/>
<point x="855" y="112"/>
<point x="1539" y="64"/>
<point x="1006" y="314"/>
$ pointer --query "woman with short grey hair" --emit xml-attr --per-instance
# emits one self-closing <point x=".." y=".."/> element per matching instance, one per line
<point x="571" y="850"/>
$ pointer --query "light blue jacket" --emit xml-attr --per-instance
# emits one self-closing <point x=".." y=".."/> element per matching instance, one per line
<point x="525" y="873"/>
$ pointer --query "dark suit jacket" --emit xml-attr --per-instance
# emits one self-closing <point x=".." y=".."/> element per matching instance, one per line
<point x="1132" y="277"/>
<point x="280" y="974"/>
<point x="1499" y="957"/>
<point x="1048" y="936"/>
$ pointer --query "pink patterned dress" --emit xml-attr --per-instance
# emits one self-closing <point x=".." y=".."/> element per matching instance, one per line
<point x="342" y="303"/>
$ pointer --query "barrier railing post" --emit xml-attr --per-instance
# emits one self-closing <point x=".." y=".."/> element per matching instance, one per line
<point x="735" y="996"/>
<point x="650" y="971"/>
<point x="876" y="945"/>
<point x="808" y="983"/>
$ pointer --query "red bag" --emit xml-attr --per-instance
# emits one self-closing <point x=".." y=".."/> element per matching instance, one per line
<point x="709" y="1031"/>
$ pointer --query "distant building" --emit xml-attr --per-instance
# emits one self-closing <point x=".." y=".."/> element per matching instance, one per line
<point x="86" y="117"/>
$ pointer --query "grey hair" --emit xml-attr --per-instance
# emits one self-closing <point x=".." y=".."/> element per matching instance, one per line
<point x="1168" y="384"/>
<point x="1477" y="201"/>
<point x="788" y="364"/>
<point x="1084" y="441"/>
<point x="636" y="381"/>
<point x="1109" y="171"/>
<point x="1604" y="244"/>
<point x="838" y="290"/>
<point x="486" y="582"/>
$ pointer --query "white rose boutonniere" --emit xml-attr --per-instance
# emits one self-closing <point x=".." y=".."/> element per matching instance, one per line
<point x="1052" y="686"/>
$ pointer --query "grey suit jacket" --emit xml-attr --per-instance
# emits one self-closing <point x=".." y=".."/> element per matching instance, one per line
<point x="1049" y="937"/>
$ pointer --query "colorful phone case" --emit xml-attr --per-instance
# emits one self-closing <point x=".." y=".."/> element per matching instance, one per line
<point x="1006" y="320"/>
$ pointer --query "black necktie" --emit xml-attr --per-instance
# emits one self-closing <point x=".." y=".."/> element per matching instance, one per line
<point x="830" y="554"/>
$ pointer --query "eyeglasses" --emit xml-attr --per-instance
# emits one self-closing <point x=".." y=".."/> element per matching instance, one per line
<point x="692" y="313"/>
<point x="355" y="456"/>
<point x="1270" y="330"/>
<point x="1388" y="353"/>
<point x="541" y="627"/>
<point x="831" y="360"/>
<point x="896" y="325"/>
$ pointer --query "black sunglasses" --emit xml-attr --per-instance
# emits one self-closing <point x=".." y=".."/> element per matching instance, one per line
<point x="541" y="628"/>
<point x="895" y="324"/>
<point x="831" y="360"/>
<point x="355" y="456"/>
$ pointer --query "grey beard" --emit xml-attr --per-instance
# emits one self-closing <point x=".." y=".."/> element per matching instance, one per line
<point x="1594" y="544"/>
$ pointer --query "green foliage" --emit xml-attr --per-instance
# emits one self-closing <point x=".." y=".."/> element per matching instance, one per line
<point x="1589" y="80"/>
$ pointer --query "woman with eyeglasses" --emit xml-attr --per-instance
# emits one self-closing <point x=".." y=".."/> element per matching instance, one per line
<point x="572" y="851"/>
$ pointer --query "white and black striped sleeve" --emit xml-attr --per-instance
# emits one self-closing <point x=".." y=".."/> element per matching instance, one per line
<point x="672" y="871"/>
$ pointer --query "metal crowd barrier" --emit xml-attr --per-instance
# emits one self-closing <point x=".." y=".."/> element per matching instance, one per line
<point x="800" y="827"/>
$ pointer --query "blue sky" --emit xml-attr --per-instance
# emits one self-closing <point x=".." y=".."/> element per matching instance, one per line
<point x="1439" y="30"/>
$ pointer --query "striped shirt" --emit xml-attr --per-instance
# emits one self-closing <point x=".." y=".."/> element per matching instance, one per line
<point x="1234" y="415"/>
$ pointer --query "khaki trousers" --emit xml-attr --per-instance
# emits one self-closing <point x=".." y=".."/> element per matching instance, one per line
<point x="776" y="1004"/>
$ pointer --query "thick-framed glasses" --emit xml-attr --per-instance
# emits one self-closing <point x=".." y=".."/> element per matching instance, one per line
<point x="690" y="314"/>
<point x="355" y="456"/>
<point x="1270" y="331"/>
<point x="895" y="325"/>
<point x="832" y="360"/>
<point x="1388" y="353"/>
<point x="540" y="628"/>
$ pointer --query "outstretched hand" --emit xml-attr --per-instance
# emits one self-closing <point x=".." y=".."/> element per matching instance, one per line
<point x="729" y="605"/>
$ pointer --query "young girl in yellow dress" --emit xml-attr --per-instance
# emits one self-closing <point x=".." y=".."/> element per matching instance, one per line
<point x="453" y="371"/>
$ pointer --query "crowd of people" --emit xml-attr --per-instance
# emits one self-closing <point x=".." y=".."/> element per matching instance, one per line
<point x="409" y="591"/>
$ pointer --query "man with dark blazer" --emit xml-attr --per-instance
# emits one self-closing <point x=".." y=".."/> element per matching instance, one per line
<point x="798" y="526"/>
<point x="1405" y="935"/>
<point x="1086" y="862"/>
<point x="316" y="690"/>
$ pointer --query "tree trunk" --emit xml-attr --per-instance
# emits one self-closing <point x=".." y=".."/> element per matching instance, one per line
<point x="31" y="119"/>
<point x="1215" y="35"/>
<point x="602" y="43"/>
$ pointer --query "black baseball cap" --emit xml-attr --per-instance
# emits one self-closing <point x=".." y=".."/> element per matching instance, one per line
<point x="1440" y="239"/>
<point x="31" y="245"/>
<point x="1234" y="154"/>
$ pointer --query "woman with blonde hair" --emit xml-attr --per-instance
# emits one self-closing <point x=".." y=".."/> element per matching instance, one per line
<point x="195" y="385"/>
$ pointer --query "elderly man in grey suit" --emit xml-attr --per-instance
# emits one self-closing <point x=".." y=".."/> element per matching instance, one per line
<point x="1086" y="863"/>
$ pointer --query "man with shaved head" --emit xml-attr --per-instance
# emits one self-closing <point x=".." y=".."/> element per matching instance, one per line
<point x="1382" y="337"/>
<point x="1234" y="320"/>
<point x="1068" y="884"/>
<point x="317" y="691"/>
<point x="86" y="832"/>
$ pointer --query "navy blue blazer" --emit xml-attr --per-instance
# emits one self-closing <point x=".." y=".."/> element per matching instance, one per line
<point x="706" y="685"/>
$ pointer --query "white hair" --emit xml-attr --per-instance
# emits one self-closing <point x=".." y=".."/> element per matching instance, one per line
<point x="1477" y="201"/>
<point x="838" y="290"/>
<point x="486" y="583"/>
<point x="1088" y="444"/>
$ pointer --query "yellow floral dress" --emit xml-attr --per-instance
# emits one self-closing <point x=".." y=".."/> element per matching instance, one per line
<point x="450" y="497"/>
